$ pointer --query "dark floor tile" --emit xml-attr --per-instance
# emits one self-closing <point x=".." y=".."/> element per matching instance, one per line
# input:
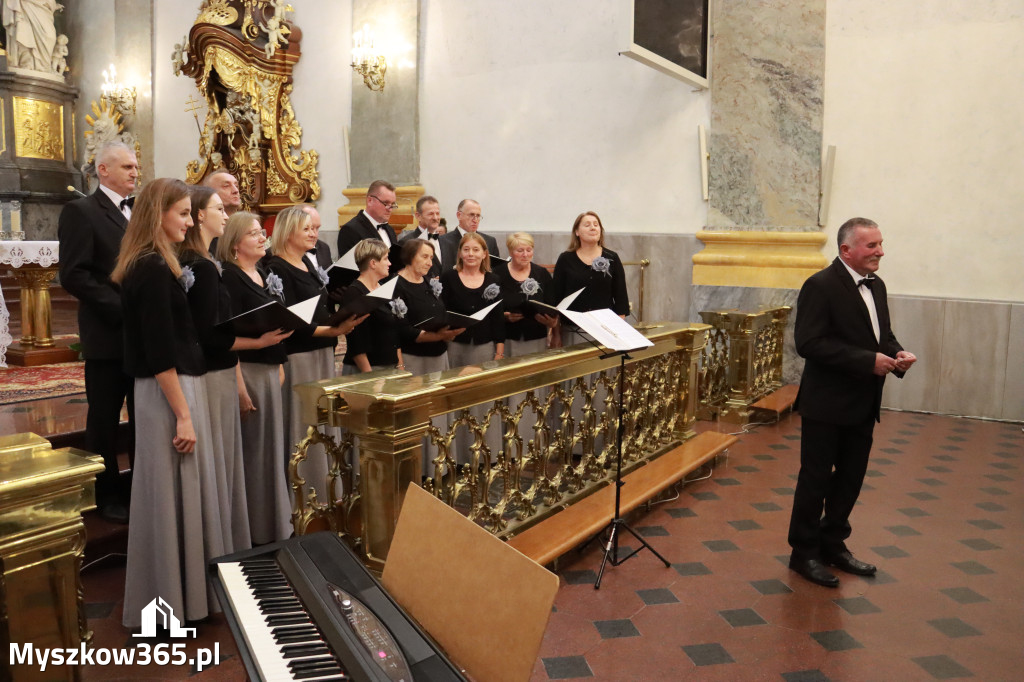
<point x="990" y="506"/>
<point x="740" y="618"/>
<point x="579" y="577"/>
<point x="707" y="654"/>
<point x="883" y="578"/>
<point x="956" y="439"/>
<point x="792" y="437"/>
<point x="992" y="490"/>
<point x="1006" y="455"/>
<point x="950" y="448"/>
<point x="902" y="531"/>
<point x="1004" y="466"/>
<point x="98" y="611"/>
<point x="780" y="446"/>
<point x="924" y="497"/>
<point x="891" y="451"/>
<point x="692" y="568"/>
<point x="882" y="461"/>
<point x="681" y="513"/>
<point x="938" y="469"/>
<point x="899" y="441"/>
<point x="836" y="640"/>
<point x="747" y="469"/>
<point x="652" y="531"/>
<point x="985" y="524"/>
<point x="805" y="676"/>
<point x="964" y="595"/>
<point x="613" y="629"/>
<point x="764" y="457"/>
<point x="745" y="524"/>
<point x="765" y="506"/>
<point x="873" y="473"/>
<point x="931" y="482"/>
<point x="865" y="486"/>
<point x="720" y="545"/>
<point x="889" y="552"/>
<point x="999" y="478"/>
<point x="913" y="512"/>
<point x="980" y="544"/>
<point x="771" y="586"/>
<point x="660" y="595"/>
<point x="942" y="667"/>
<point x="972" y="568"/>
<point x="856" y="606"/>
<point x="954" y="627"/>
<point x="785" y="492"/>
<point x="566" y="667"/>
<point x="704" y="496"/>
<point x="945" y="458"/>
<point x="727" y="482"/>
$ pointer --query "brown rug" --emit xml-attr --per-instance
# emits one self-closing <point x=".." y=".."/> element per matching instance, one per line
<point x="19" y="384"/>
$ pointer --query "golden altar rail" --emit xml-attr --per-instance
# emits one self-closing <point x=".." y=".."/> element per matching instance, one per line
<point x="557" y="441"/>
<point x="742" y="361"/>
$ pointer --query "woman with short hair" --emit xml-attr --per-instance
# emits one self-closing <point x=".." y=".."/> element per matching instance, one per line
<point x="375" y="344"/>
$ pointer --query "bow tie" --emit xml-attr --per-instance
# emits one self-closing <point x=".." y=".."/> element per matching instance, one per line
<point x="125" y="202"/>
<point x="433" y="236"/>
<point x="866" y="281"/>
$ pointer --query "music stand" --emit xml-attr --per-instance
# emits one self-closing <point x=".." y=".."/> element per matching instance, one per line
<point x="608" y="330"/>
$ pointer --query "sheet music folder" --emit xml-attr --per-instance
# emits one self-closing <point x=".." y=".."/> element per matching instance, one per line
<point x="455" y="320"/>
<point x="608" y="329"/>
<point x="270" y="316"/>
<point x="366" y="303"/>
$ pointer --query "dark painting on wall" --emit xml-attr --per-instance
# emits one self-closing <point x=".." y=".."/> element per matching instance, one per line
<point x="672" y="36"/>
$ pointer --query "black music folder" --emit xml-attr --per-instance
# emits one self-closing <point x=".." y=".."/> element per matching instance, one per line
<point x="270" y="316"/>
<point x="455" y="320"/>
<point x="366" y="303"/>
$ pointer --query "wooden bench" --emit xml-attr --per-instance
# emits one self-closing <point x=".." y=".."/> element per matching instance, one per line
<point x="557" y="534"/>
<point x="779" y="401"/>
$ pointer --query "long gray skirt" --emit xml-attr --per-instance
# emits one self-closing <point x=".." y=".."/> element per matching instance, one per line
<point x="175" y="516"/>
<point x="525" y="429"/>
<point x="303" y="368"/>
<point x="460" y="355"/>
<point x="427" y="364"/>
<point x="225" y="424"/>
<point x="266" y="482"/>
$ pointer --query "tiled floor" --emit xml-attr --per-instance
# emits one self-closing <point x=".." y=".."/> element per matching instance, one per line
<point x="941" y="515"/>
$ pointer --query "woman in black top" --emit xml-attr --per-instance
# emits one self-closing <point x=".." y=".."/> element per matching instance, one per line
<point x="262" y="369"/>
<point x="375" y="343"/>
<point x="589" y="265"/>
<point x="310" y="349"/>
<point x="471" y="287"/>
<point x="525" y="332"/>
<point x="175" y="525"/>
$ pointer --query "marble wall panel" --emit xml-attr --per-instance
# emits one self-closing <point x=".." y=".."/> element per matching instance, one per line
<point x="918" y="324"/>
<point x="1013" y="393"/>
<point x="974" y="350"/>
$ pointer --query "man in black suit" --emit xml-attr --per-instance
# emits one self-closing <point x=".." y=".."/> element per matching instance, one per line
<point x="428" y="217"/>
<point x="843" y="333"/>
<point x="226" y="186"/>
<point x="372" y="223"/>
<point x="321" y="252"/>
<point x="469" y="215"/>
<point x="90" y="231"/>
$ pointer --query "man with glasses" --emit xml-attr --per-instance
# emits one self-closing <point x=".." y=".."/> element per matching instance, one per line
<point x="469" y="215"/>
<point x="372" y="223"/>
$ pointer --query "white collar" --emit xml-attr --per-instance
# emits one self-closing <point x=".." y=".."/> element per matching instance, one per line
<point x="113" y="196"/>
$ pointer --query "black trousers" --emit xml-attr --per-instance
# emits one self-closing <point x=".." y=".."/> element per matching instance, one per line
<point x="106" y="388"/>
<point x="833" y="461"/>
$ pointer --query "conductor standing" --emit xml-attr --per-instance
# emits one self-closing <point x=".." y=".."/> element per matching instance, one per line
<point x="844" y="335"/>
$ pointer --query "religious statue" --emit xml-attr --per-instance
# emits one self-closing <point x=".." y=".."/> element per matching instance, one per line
<point x="32" y="41"/>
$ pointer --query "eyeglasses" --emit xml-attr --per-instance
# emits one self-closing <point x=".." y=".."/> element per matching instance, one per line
<point x="390" y="207"/>
<point x="257" y="233"/>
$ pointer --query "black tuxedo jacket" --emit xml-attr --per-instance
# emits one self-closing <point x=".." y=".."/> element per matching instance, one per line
<point x="360" y="228"/>
<point x="90" y="231"/>
<point x="450" y="247"/>
<point x="833" y="334"/>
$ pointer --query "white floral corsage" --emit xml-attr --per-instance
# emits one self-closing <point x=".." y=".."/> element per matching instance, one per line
<point x="275" y="287"/>
<point x="436" y="287"/>
<point x="187" y="278"/>
<point x="322" y="274"/>
<point x="601" y="264"/>
<point x="529" y="287"/>
<point x="399" y="308"/>
<point x="491" y="292"/>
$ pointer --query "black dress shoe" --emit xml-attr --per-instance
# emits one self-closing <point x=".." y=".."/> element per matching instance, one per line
<point x="815" y="571"/>
<point x="845" y="562"/>
<point x="115" y="512"/>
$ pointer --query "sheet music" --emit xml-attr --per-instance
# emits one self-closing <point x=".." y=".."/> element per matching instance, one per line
<point x="306" y="309"/>
<point x="608" y="329"/>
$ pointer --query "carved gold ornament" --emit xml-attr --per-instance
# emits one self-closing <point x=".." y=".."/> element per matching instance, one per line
<point x="38" y="129"/>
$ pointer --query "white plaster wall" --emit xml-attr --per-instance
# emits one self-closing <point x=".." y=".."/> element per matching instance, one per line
<point x="527" y="107"/>
<point x="921" y="102"/>
<point x="321" y="97"/>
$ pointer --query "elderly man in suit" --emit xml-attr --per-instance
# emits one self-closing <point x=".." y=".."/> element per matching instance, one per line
<point x="226" y="185"/>
<point x="90" y="231"/>
<point x="428" y="218"/>
<point x="469" y="215"/>
<point x="372" y="223"/>
<point x="843" y="333"/>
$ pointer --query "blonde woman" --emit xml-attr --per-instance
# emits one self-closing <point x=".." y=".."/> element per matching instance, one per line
<point x="263" y="423"/>
<point x="311" y="349"/>
<point x="176" y="527"/>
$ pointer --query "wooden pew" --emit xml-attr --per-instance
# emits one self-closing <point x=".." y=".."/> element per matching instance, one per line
<point x="557" y="534"/>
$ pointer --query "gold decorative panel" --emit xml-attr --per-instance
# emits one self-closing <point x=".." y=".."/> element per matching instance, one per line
<point x="38" y="129"/>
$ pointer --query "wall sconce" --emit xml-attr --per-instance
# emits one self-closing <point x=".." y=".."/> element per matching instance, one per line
<point x="366" y="61"/>
<point x="119" y="95"/>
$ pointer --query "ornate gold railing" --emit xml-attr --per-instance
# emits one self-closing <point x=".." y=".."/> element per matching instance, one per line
<point x="557" y="440"/>
<point x="742" y="361"/>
